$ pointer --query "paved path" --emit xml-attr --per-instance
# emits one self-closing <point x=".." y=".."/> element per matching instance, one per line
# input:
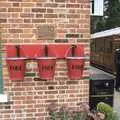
<point x="117" y="102"/>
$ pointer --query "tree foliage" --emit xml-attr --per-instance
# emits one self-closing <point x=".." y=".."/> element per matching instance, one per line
<point x="113" y="13"/>
<point x="111" y="18"/>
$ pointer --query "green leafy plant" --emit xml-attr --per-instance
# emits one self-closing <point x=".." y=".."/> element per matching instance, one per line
<point x="82" y="112"/>
<point x="64" y="116"/>
<point x="107" y="110"/>
<point x="80" y="116"/>
<point x="53" y="116"/>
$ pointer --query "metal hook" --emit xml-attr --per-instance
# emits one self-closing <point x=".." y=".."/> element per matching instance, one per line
<point x="73" y="50"/>
<point x="46" y="51"/>
<point x="17" y="51"/>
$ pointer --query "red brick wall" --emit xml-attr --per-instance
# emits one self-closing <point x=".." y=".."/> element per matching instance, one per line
<point x="19" y="20"/>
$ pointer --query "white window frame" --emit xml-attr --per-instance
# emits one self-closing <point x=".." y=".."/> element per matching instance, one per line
<point x="97" y="7"/>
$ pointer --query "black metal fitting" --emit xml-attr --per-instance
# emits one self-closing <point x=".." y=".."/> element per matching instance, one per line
<point x="46" y="51"/>
<point x="73" y="50"/>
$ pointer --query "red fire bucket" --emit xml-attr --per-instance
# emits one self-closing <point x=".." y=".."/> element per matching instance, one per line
<point x="16" y="67"/>
<point x="75" y="67"/>
<point x="46" y="67"/>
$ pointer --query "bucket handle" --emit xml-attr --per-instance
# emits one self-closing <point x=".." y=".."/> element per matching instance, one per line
<point x="17" y="51"/>
<point x="37" y="52"/>
<point x="73" y="53"/>
<point x="28" y="55"/>
<point x="46" y="51"/>
<point x="73" y="50"/>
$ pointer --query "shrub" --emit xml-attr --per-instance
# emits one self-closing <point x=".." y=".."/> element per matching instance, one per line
<point x="107" y="110"/>
<point x="82" y="112"/>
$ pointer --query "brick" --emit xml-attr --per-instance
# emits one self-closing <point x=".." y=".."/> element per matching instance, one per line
<point x="15" y="0"/>
<point x="27" y="20"/>
<point x="86" y="81"/>
<point x="72" y="35"/>
<point x="72" y="26"/>
<point x="50" y="83"/>
<point x="41" y="114"/>
<point x="73" y="5"/>
<point x="41" y="10"/>
<point x="41" y="88"/>
<point x="86" y="11"/>
<point x="5" y="4"/>
<point x="83" y="40"/>
<point x="38" y="1"/>
<point x="50" y="15"/>
<point x="50" y="87"/>
<point x="26" y="25"/>
<point x="26" y="35"/>
<point x="18" y="89"/>
<point x="15" y="20"/>
<point x="49" y="10"/>
<point x="62" y="16"/>
<point x="72" y="82"/>
<point x="38" y="20"/>
<point x="61" y="30"/>
<point x="72" y="91"/>
<point x="81" y="1"/>
<point x="61" y="40"/>
<point x="50" y="21"/>
<point x="73" y="16"/>
<point x="62" y="87"/>
<point x="39" y="4"/>
<point x="60" y="1"/>
<point x="15" y="30"/>
<point x="29" y="101"/>
<point x="26" y="15"/>
<point x="53" y="5"/>
<point x="51" y="101"/>
<point x="4" y="15"/>
<point x="27" y="4"/>
<point x="51" y="92"/>
<point x="4" y="25"/>
<point x="14" y="9"/>
<point x="28" y="31"/>
<point x="30" y="110"/>
<point x="73" y="1"/>
<point x="16" y="4"/>
<point x="39" y="15"/>
<point x="61" y="78"/>
<point x="6" y="111"/>
<point x="72" y="11"/>
<point x="3" y="20"/>
<point x="14" y="15"/>
<point x="3" y="10"/>
<point x="26" y="10"/>
<point x="15" y="25"/>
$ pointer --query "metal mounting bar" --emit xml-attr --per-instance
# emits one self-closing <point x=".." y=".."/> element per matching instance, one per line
<point x="40" y="50"/>
<point x="82" y="58"/>
<point x="73" y="50"/>
<point x="46" y="51"/>
<point x="17" y="51"/>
